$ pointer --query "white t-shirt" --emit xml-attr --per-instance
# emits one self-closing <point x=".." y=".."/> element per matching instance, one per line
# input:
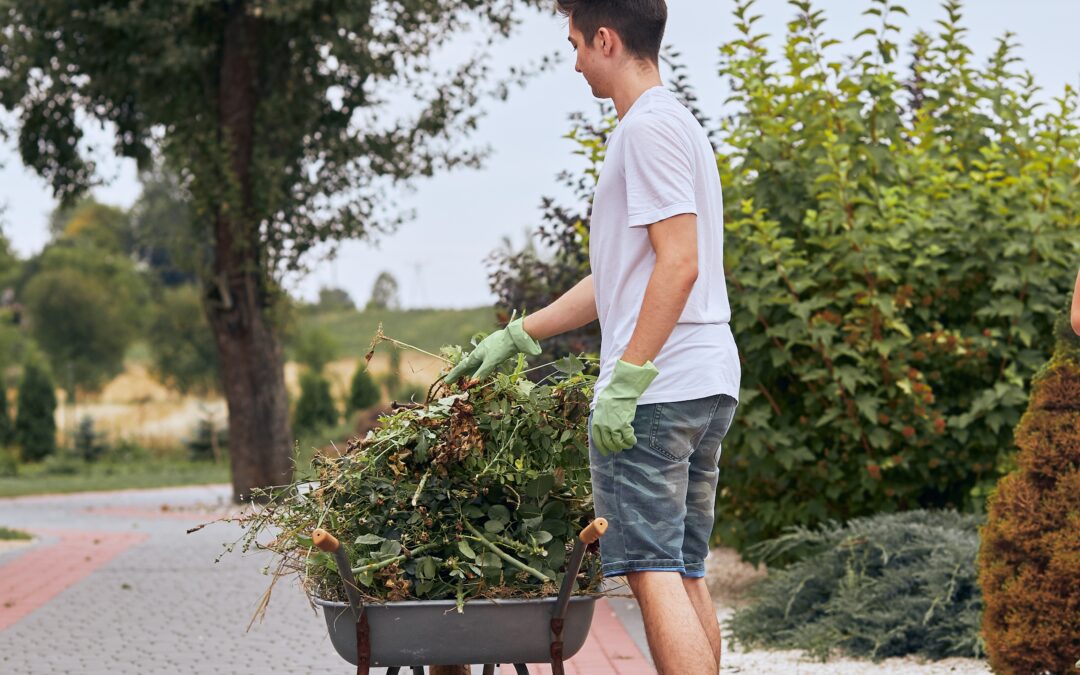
<point x="658" y="164"/>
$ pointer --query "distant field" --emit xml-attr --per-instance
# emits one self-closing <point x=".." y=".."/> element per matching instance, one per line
<point x="427" y="329"/>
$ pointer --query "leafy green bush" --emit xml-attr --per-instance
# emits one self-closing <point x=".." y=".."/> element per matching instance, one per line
<point x="315" y="407"/>
<point x="881" y="586"/>
<point x="185" y="355"/>
<point x="363" y="392"/>
<point x="1030" y="559"/>
<point x="35" y="422"/>
<point x="9" y="462"/>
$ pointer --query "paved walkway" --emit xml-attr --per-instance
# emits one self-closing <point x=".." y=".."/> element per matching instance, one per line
<point x="113" y="584"/>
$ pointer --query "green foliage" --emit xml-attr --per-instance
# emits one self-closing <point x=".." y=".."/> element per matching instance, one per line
<point x="334" y="300"/>
<point x="1030" y="558"/>
<point x="314" y="347"/>
<point x="477" y="494"/>
<point x="363" y="392"/>
<point x="163" y="230"/>
<point x="80" y="324"/>
<point x="7" y="534"/>
<point x="315" y="408"/>
<point x="9" y="462"/>
<point x="384" y="293"/>
<point x="91" y="224"/>
<point x="35" y="422"/>
<point x="896" y="249"/>
<point x="881" y="586"/>
<point x="183" y="348"/>
<point x="7" y="430"/>
<point x="89" y="443"/>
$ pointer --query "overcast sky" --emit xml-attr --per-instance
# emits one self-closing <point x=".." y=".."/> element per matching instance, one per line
<point x="438" y="258"/>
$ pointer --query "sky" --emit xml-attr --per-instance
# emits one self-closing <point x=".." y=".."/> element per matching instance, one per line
<point x="439" y="257"/>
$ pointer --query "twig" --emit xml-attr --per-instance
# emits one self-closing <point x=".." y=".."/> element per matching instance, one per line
<point x="508" y="558"/>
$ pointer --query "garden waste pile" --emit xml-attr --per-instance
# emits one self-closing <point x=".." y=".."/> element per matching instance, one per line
<point x="478" y="493"/>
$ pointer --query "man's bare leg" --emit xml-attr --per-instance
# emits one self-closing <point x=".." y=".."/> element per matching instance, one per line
<point x="706" y="611"/>
<point x="678" y="643"/>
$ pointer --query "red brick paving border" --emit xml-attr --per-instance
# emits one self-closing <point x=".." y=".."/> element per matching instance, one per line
<point x="41" y="573"/>
<point x="608" y="649"/>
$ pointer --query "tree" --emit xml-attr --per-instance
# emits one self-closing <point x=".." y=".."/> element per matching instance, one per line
<point x="335" y="300"/>
<point x="384" y="293"/>
<point x="163" y="236"/>
<point x="35" y="417"/>
<point x="94" y="224"/>
<point x="1030" y="554"/>
<point x="183" y="348"/>
<point x="315" y="347"/>
<point x="6" y="429"/>
<point x="80" y="323"/>
<point x="363" y="392"/>
<point x="315" y="408"/>
<point x="275" y="117"/>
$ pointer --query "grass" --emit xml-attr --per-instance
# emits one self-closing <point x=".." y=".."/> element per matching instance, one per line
<point x="150" y="473"/>
<point x="12" y="535"/>
<point x="428" y="329"/>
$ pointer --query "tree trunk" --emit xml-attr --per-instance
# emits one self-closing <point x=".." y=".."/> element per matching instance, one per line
<point x="238" y="300"/>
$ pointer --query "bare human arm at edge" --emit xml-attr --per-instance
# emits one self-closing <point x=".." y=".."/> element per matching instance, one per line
<point x="573" y="309"/>
<point x="1075" y="314"/>
<point x="675" y="243"/>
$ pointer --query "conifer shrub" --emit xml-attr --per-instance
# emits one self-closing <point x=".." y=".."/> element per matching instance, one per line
<point x="363" y="392"/>
<point x="315" y="408"/>
<point x="35" y="422"/>
<point x="879" y="586"/>
<point x="1029" y="566"/>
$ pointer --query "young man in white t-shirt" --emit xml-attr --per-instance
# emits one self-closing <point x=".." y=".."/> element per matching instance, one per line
<point x="669" y="374"/>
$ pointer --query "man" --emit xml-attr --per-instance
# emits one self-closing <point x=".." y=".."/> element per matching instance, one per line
<point x="669" y="376"/>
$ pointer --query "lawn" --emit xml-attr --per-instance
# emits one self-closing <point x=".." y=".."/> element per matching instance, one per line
<point x="33" y="479"/>
<point x="427" y="329"/>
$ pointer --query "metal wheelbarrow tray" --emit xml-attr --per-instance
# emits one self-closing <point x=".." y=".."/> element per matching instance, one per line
<point x="418" y="633"/>
<point x="432" y="632"/>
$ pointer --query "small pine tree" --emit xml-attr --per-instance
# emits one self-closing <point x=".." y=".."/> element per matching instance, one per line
<point x="35" y="421"/>
<point x="1030" y="555"/>
<point x="363" y="393"/>
<point x="6" y="430"/>
<point x="89" y="443"/>
<point x="316" y="406"/>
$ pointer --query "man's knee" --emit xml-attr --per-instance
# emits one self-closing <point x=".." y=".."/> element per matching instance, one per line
<point x="644" y="580"/>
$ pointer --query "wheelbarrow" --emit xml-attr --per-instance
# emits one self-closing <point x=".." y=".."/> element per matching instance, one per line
<point x="418" y="633"/>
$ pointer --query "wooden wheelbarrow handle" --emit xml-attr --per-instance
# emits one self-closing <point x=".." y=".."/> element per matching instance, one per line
<point x="325" y="541"/>
<point x="593" y="531"/>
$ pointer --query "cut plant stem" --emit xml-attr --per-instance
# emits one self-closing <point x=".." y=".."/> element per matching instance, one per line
<point x="508" y="558"/>
<point x="375" y="567"/>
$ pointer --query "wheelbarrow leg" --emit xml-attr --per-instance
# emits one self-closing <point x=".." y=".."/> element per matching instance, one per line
<point x="521" y="669"/>
<point x="489" y="669"/>
<point x="392" y="670"/>
<point x="418" y="670"/>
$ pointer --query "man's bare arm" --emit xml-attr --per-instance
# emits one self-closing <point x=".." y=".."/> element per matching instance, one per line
<point x="571" y="310"/>
<point x="675" y="243"/>
<point x="1075" y="315"/>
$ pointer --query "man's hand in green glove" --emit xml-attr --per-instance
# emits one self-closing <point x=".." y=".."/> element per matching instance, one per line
<point x="616" y="406"/>
<point x="494" y="349"/>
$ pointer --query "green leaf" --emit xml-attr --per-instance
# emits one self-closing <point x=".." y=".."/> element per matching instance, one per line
<point x="466" y="550"/>
<point x="369" y="540"/>
<point x="494" y="526"/>
<point x="500" y="513"/>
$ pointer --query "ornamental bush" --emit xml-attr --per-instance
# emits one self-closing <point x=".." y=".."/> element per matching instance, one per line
<point x="897" y="242"/>
<point x="876" y="587"/>
<point x="897" y="246"/>
<point x="315" y="408"/>
<point x="35" y="423"/>
<point x="363" y="392"/>
<point x="1029" y="565"/>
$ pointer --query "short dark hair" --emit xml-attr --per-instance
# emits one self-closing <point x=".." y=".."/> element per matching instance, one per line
<point x="640" y="23"/>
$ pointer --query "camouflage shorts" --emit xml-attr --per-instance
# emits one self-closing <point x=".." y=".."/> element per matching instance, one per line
<point x="659" y="496"/>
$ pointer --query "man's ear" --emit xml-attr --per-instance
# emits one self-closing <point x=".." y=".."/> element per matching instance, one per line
<point x="605" y="40"/>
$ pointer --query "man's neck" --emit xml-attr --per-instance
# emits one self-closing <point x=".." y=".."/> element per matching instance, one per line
<point x="632" y="88"/>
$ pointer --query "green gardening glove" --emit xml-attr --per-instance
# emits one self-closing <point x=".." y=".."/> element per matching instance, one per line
<point x="616" y="406"/>
<point x="494" y="349"/>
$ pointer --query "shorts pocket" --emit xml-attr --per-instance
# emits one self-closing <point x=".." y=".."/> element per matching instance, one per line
<point x="677" y="427"/>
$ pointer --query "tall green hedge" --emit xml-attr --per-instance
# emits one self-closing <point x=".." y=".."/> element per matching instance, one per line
<point x="315" y="407"/>
<point x="898" y="240"/>
<point x="35" y="422"/>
